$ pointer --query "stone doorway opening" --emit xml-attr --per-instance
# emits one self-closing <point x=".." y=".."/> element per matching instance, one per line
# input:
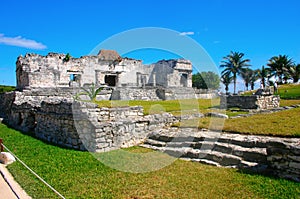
<point x="183" y="79"/>
<point x="111" y="80"/>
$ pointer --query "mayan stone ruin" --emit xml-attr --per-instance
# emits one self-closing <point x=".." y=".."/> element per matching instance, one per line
<point x="45" y="107"/>
<point x="165" y="79"/>
<point x="44" y="103"/>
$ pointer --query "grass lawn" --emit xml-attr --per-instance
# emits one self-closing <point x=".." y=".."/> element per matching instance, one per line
<point x="289" y="102"/>
<point x="289" y="91"/>
<point x="284" y="124"/>
<point x="6" y="88"/>
<point x="77" y="174"/>
<point x="173" y="106"/>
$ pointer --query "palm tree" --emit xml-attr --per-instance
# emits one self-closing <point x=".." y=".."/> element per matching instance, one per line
<point x="253" y="78"/>
<point x="263" y="74"/>
<point x="279" y="65"/>
<point x="226" y="79"/>
<point x="234" y="64"/>
<point x="294" y="72"/>
<point x="247" y="74"/>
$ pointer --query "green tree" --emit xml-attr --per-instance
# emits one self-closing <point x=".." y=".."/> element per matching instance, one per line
<point x="294" y="72"/>
<point x="263" y="74"/>
<point x="206" y="80"/>
<point x="234" y="63"/>
<point x="226" y="79"/>
<point x="279" y="65"/>
<point x="253" y="78"/>
<point x="247" y="74"/>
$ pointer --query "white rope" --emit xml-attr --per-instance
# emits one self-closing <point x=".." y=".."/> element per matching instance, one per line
<point x="27" y="167"/>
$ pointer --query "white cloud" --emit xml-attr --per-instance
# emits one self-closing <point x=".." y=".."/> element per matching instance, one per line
<point x="21" y="42"/>
<point x="186" y="33"/>
<point x="216" y="42"/>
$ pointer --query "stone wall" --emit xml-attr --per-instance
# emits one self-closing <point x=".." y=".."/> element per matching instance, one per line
<point x="284" y="159"/>
<point x="125" y="93"/>
<point x="250" y="102"/>
<point x="79" y="125"/>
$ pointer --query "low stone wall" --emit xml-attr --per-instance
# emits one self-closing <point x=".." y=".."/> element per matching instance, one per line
<point x="250" y="102"/>
<point x="284" y="159"/>
<point x="79" y="125"/>
<point x="159" y="93"/>
<point x="133" y="93"/>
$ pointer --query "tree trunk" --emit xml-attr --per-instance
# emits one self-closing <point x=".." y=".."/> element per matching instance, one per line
<point x="252" y="86"/>
<point x="234" y="84"/>
<point x="226" y="89"/>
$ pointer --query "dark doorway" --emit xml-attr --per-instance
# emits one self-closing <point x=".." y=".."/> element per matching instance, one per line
<point x="183" y="79"/>
<point x="110" y="80"/>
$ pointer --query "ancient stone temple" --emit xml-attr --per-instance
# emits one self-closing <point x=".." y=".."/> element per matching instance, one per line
<point x="107" y="68"/>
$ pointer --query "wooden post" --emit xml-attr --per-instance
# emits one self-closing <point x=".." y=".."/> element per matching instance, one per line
<point x="1" y="146"/>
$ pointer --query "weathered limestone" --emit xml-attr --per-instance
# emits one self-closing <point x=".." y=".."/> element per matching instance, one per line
<point x="284" y="159"/>
<point x="277" y="156"/>
<point x="6" y="158"/>
<point x="79" y="125"/>
<point x="250" y="102"/>
<point x="107" y="68"/>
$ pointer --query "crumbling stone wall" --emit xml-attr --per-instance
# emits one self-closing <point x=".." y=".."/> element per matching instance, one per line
<point x="284" y="159"/>
<point x="79" y="125"/>
<point x="250" y="102"/>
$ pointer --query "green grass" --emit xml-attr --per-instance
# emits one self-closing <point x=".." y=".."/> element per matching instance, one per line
<point x="4" y="88"/>
<point x="289" y="102"/>
<point x="77" y="174"/>
<point x="289" y="91"/>
<point x="284" y="124"/>
<point x="174" y="106"/>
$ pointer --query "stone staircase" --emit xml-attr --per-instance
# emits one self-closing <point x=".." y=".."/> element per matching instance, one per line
<point x="218" y="149"/>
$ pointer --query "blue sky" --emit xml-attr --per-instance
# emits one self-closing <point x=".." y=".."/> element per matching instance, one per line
<point x="258" y="28"/>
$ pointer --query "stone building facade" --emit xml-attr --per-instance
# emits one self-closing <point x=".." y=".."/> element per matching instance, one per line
<point x="107" y="68"/>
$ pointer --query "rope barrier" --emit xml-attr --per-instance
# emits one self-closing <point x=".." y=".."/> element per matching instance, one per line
<point x="36" y="175"/>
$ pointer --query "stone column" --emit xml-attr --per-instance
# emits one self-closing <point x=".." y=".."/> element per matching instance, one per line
<point x="154" y="79"/>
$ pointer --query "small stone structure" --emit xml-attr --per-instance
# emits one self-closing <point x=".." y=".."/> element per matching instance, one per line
<point x="260" y="100"/>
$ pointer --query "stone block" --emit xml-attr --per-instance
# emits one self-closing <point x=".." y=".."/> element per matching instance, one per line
<point x="6" y="158"/>
<point x="295" y="165"/>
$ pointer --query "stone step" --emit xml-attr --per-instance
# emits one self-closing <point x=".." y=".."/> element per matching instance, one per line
<point x="248" y="154"/>
<point x="156" y="143"/>
<point x="228" y="148"/>
<point x="187" y="152"/>
<point x="236" y="139"/>
<point x="242" y="164"/>
<point x="214" y="151"/>
<point x="204" y="161"/>
<point x="218" y="157"/>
